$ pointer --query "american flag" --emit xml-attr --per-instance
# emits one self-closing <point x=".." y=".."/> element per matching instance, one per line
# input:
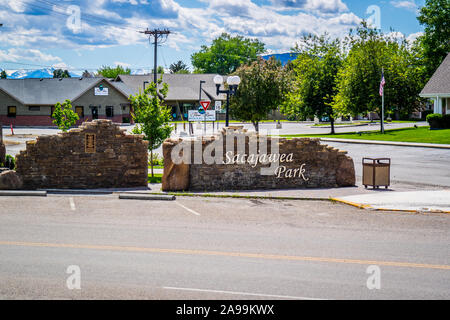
<point x="382" y="83"/>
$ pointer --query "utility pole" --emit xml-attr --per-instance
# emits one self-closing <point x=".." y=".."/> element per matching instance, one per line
<point x="157" y="34"/>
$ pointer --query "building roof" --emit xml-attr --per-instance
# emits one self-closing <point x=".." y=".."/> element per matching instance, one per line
<point x="33" y="91"/>
<point x="182" y="87"/>
<point x="49" y="91"/>
<point x="439" y="83"/>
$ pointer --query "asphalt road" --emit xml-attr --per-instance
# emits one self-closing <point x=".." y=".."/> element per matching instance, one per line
<point x="198" y="248"/>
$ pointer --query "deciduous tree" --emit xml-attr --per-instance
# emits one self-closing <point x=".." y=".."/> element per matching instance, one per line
<point x="435" y="17"/>
<point x="315" y="71"/>
<point x="262" y="89"/>
<point x="63" y="115"/>
<point x="112" y="72"/>
<point x="226" y="54"/>
<point x="151" y="117"/>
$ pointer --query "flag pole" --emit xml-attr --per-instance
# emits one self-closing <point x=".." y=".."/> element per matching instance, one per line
<point x="382" y="106"/>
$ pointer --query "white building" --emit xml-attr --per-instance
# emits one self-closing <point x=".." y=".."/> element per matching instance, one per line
<point x="438" y="88"/>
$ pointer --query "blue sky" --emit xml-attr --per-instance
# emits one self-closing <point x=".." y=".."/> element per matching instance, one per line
<point x="38" y="33"/>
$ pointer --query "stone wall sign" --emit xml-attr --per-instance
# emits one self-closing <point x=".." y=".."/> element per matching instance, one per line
<point x="97" y="154"/>
<point x="236" y="159"/>
<point x="89" y="143"/>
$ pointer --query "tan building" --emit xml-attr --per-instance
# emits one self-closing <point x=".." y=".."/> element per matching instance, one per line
<point x="30" y="102"/>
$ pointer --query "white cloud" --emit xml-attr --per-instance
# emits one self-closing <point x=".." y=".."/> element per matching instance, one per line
<point x="32" y="55"/>
<point x="405" y="4"/>
<point x="122" y="64"/>
<point x="278" y="29"/>
<point x="322" y="6"/>
<point x="413" y="36"/>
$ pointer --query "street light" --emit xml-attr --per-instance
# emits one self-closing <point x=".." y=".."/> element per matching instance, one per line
<point x="233" y="82"/>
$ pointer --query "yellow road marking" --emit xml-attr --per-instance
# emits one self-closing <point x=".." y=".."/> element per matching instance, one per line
<point x="227" y="254"/>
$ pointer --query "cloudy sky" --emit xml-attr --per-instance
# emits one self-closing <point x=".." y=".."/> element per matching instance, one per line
<point x="85" y="34"/>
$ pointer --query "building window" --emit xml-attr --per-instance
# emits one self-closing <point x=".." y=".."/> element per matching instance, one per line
<point x="12" y="111"/>
<point x="79" y="110"/>
<point x="109" y="111"/>
<point x="33" y="108"/>
<point x="52" y="109"/>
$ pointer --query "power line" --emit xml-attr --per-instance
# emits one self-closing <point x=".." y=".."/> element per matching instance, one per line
<point x="62" y="12"/>
<point x="157" y="34"/>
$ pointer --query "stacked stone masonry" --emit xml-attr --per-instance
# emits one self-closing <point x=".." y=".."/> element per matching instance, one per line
<point x="66" y="161"/>
<point x="324" y="166"/>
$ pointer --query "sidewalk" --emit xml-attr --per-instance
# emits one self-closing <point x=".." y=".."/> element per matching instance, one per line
<point x="398" y="197"/>
<point x="390" y="143"/>
<point x="413" y="201"/>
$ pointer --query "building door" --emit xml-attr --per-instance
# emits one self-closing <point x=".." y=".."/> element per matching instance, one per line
<point x="94" y="111"/>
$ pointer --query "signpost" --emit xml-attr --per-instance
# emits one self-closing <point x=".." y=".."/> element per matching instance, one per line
<point x="205" y="106"/>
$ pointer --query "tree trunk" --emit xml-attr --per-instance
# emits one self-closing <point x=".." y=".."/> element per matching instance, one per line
<point x="151" y="161"/>
<point x="256" y="125"/>
<point x="332" y="124"/>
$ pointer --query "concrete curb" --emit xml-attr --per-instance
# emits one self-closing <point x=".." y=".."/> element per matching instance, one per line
<point x="77" y="191"/>
<point x="240" y="196"/>
<point x="147" y="197"/>
<point x="389" y="143"/>
<point x="368" y="206"/>
<point x="26" y="193"/>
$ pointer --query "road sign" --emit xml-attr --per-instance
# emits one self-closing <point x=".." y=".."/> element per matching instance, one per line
<point x="218" y="105"/>
<point x="205" y="104"/>
<point x="201" y="110"/>
<point x="208" y="115"/>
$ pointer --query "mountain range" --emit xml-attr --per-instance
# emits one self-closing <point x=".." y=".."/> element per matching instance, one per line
<point x="48" y="72"/>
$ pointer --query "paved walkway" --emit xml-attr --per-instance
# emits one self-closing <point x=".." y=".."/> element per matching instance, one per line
<point x="431" y="201"/>
<point x="390" y="143"/>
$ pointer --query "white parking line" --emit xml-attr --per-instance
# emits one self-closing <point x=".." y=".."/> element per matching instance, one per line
<point x="186" y="208"/>
<point x="242" y="293"/>
<point x="72" y="204"/>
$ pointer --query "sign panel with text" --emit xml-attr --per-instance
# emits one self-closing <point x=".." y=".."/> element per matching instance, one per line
<point x="208" y="115"/>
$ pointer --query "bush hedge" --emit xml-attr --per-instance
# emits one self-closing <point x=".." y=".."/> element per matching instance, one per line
<point x="439" y="121"/>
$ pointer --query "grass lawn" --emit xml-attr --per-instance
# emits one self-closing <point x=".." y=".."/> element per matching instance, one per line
<point x="420" y="135"/>
<point x="157" y="177"/>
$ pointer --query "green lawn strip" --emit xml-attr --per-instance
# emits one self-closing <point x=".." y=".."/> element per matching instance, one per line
<point x="157" y="177"/>
<point x="419" y="135"/>
<point x="156" y="167"/>
<point x="339" y="124"/>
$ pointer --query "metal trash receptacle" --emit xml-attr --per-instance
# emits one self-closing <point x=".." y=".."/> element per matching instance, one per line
<point x="376" y="172"/>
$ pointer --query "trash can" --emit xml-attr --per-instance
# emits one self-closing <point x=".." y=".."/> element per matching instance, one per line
<point x="376" y="172"/>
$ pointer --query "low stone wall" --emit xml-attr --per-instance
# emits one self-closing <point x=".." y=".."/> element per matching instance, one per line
<point x="302" y="163"/>
<point x="97" y="154"/>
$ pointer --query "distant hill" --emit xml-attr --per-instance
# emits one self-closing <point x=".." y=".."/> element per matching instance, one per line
<point x="38" y="73"/>
<point x="283" y="57"/>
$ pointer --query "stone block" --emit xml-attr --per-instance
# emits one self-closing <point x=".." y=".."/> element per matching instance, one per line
<point x="10" y="180"/>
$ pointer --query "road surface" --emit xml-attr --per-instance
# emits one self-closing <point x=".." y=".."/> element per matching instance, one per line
<point x="198" y="248"/>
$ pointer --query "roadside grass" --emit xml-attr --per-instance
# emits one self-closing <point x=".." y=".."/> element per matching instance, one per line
<point x="420" y="135"/>
<point x="337" y="124"/>
<point x="157" y="178"/>
<point x="363" y="122"/>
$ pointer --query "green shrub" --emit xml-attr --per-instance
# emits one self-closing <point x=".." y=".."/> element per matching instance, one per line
<point x="10" y="162"/>
<point x="157" y="160"/>
<point x="425" y="113"/>
<point x="439" y="121"/>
